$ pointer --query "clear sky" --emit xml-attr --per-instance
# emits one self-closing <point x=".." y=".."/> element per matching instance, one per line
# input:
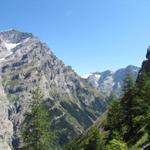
<point x="89" y="35"/>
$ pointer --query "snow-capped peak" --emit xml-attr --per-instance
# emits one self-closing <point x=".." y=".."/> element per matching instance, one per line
<point x="109" y="81"/>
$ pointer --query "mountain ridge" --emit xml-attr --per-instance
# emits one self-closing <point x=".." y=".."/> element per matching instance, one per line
<point x="112" y="81"/>
<point x="73" y="103"/>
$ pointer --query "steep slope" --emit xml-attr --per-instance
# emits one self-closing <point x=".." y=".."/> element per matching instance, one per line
<point x="108" y="81"/>
<point x="121" y="127"/>
<point x="6" y="126"/>
<point x="26" y="62"/>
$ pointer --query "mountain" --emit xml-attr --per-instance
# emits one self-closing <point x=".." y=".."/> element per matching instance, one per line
<point x="26" y="63"/>
<point x="125" y="125"/>
<point x="108" y="81"/>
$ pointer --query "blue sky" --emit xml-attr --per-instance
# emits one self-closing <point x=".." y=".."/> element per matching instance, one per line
<point x="89" y="35"/>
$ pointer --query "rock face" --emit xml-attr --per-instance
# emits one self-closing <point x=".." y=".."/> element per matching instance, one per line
<point x="108" y="81"/>
<point x="146" y="63"/>
<point x="25" y="62"/>
<point x="6" y="126"/>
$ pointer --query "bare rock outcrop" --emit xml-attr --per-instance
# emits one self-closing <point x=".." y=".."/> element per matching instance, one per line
<point x="6" y="126"/>
<point x="146" y="63"/>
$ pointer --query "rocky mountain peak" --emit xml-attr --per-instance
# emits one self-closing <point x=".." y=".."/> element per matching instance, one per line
<point x="14" y="36"/>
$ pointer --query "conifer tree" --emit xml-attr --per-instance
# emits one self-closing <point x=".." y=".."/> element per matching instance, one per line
<point x="127" y="105"/>
<point x="110" y="99"/>
<point x="114" y="120"/>
<point x="36" y="133"/>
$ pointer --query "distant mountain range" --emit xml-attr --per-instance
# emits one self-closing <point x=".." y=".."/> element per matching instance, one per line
<point x="108" y="81"/>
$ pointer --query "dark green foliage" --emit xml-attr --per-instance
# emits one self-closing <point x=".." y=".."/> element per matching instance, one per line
<point x="36" y="132"/>
<point x="127" y="105"/>
<point x="116" y="145"/>
<point x="114" y="120"/>
<point x="127" y="122"/>
<point x="91" y="140"/>
<point x="130" y="122"/>
<point x="110" y="99"/>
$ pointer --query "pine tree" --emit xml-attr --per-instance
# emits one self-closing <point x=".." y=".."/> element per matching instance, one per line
<point x="114" y="121"/>
<point x="36" y="133"/>
<point x="95" y="142"/>
<point x="127" y="105"/>
<point x="110" y="99"/>
<point x="143" y="104"/>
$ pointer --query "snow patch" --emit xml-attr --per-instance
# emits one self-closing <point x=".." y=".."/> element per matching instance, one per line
<point x="113" y="84"/>
<point x="119" y="85"/>
<point x="86" y="76"/>
<point x="2" y="59"/>
<point x="97" y="76"/>
<point x="10" y="46"/>
<point x="135" y="69"/>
